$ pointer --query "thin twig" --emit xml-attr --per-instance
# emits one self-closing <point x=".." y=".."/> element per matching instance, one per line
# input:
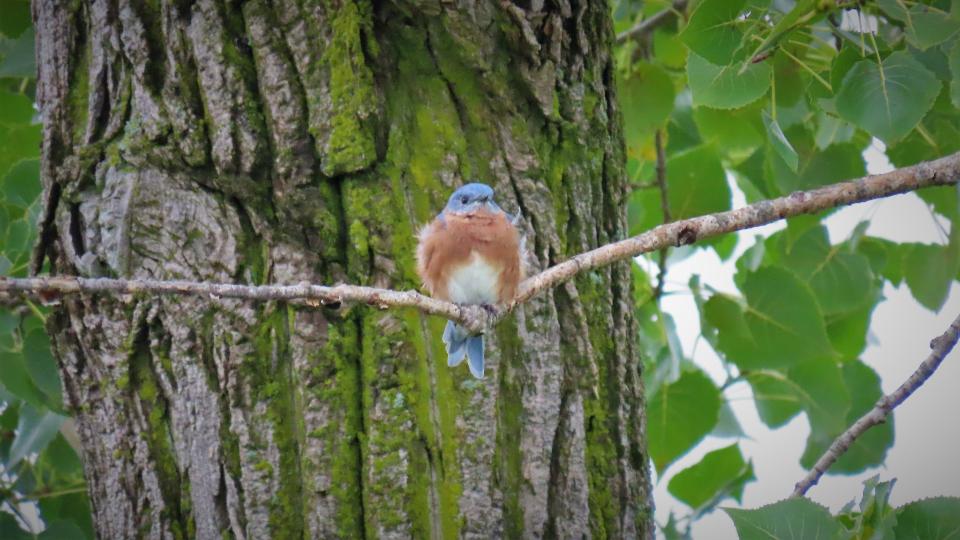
<point x="52" y="286"/>
<point x="634" y="186"/>
<point x="943" y="171"/>
<point x="941" y="347"/>
<point x="664" y="207"/>
<point x="652" y="22"/>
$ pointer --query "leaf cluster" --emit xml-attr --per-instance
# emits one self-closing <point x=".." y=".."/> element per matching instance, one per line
<point x="767" y="97"/>
<point x="38" y="467"/>
<point x="871" y="517"/>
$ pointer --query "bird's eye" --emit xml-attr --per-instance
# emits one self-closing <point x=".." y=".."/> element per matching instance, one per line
<point x="464" y="199"/>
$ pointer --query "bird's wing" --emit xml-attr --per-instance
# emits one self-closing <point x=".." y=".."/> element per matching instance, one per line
<point x="426" y="249"/>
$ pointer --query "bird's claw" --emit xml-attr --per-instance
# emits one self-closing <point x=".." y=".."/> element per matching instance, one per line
<point x="491" y="309"/>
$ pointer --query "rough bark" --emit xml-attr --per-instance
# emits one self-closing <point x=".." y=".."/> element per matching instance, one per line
<point x="290" y="140"/>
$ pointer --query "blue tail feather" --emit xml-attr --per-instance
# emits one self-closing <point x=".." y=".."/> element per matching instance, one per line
<point x="460" y="344"/>
<point x="475" y="355"/>
<point x="455" y="340"/>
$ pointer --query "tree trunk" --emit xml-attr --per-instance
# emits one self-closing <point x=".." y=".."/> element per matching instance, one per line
<point x="279" y="141"/>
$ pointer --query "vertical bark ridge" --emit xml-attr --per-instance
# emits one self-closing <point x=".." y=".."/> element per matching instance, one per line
<point x="227" y="82"/>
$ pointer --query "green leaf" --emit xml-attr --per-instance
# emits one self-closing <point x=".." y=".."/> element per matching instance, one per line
<point x="933" y="59"/>
<point x="774" y="397"/>
<point x="831" y="130"/>
<point x="929" y="519"/>
<point x="15" y="109"/>
<point x="789" y="519"/>
<point x="727" y="424"/>
<point x="886" y="258"/>
<point x="925" y="26"/>
<point x="8" y="423"/>
<point x="751" y="177"/>
<point x="868" y="450"/>
<point x="681" y="130"/>
<point x="815" y="387"/>
<point x="820" y="389"/>
<point x="659" y="342"/>
<point x="736" y="133"/>
<point x="713" y="30"/>
<point x="724" y="87"/>
<point x="646" y="97"/>
<point x="780" y="326"/>
<point x="72" y="507"/>
<point x="889" y="98"/>
<point x="18" y="58"/>
<point x="954" y="62"/>
<point x="696" y="183"/>
<point x="35" y="430"/>
<point x="668" y="49"/>
<point x="842" y="63"/>
<point x="848" y="332"/>
<point x="679" y="415"/>
<point x="10" y="530"/>
<point x="802" y="12"/>
<point x="720" y="474"/>
<point x="20" y="237"/>
<point x="41" y="366"/>
<point x="21" y="186"/>
<point x="724" y="246"/>
<point x="876" y="517"/>
<point x="941" y="137"/>
<point x="61" y="530"/>
<point x="930" y="269"/>
<point x="16" y="18"/>
<point x="671" y="531"/>
<point x="61" y="461"/>
<point x="17" y="143"/>
<point x="943" y="199"/>
<point x="780" y="143"/>
<point x="842" y="280"/>
<point x="838" y="163"/>
<point x="16" y="379"/>
<point x="707" y="329"/>
<point x="643" y="210"/>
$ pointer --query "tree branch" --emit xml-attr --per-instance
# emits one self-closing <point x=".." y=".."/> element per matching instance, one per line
<point x="941" y="347"/>
<point x="943" y="171"/>
<point x="315" y="295"/>
<point x="652" y="22"/>
<point x="664" y="207"/>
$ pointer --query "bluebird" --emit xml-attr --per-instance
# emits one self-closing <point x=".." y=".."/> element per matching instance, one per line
<point x="470" y="254"/>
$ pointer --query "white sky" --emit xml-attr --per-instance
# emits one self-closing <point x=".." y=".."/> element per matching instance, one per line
<point x="923" y="458"/>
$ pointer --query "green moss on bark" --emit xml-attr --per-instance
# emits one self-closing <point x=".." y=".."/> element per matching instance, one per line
<point x="268" y="371"/>
<point x="600" y="414"/>
<point x="79" y="93"/>
<point x="336" y="372"/>
<point x="174" y="487"/>
<point x="350" y="146"/>
<point x="509" y="461"/>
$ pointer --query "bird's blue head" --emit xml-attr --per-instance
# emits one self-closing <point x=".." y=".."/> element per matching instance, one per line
<point x="471" y="197"/>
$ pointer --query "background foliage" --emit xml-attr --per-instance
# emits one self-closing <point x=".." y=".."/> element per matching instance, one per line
<point x="39" y="470"/>
<point x="777" y="95"/>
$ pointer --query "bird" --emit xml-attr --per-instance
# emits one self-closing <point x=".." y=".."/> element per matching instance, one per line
<point x="470" y="254"/>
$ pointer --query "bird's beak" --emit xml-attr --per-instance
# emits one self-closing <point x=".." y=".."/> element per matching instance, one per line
<point x="492" y="206"/>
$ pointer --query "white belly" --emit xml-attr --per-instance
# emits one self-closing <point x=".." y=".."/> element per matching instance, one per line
<point x="474" y="282"/>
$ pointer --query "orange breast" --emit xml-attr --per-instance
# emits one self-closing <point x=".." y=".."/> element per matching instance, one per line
<point x="447" y="244"/>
